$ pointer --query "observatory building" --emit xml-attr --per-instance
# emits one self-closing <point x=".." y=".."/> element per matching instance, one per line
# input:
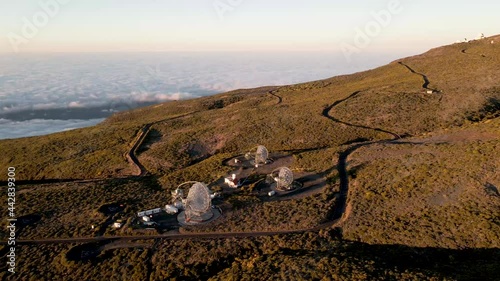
<point x="260" y="156"/>
<point x="197" y="205"/>
<point x="232" y="181"/>
<point x="284" y="179"/>
<point x="284" y="182"/>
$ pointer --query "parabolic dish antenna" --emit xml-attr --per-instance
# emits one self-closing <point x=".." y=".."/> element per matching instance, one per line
<point x="261" y="155"/>
<point x="285" y="178"/>
<point x="198" y="203"/>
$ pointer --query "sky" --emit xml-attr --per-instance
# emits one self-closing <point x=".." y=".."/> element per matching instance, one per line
<point x="241" y="25"/>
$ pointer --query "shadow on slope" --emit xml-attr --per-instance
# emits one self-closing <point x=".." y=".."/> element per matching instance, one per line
<point x="459" y="264"/>
<point x="316" y="260"/>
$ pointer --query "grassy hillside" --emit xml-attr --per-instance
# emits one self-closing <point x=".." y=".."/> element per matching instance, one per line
<point x="438" y="190"/>
<point x="418" y="138"/>
<point x="391" y="97"/>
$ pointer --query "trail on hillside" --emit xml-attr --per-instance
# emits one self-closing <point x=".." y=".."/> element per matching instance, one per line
<point x="426" y="80"/>
<point x="464" y="51"/>
<point x="131" y="155"/>
<point x="326" y="114"/>
<point x="340" y="209"/>
<point x="272" y="93"/>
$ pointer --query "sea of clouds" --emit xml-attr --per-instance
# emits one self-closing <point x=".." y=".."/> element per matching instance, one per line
<point x="43" y="94"/>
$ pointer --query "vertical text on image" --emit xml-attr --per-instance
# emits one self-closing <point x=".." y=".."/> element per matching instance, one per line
<point x="11" y="218"/>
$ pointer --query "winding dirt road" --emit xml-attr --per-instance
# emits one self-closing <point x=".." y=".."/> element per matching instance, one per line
<point x="272" y="93"/>
<point x="131" y="155"/>
<point x="329" y="108"/>
<point x="426" y="80"/>
<point x="342" y="161"/>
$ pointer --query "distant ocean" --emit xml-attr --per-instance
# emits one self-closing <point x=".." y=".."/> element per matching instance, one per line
<point x="46" y="93"/>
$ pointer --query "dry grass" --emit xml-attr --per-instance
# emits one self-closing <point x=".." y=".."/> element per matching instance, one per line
<point x="434" y="194"/>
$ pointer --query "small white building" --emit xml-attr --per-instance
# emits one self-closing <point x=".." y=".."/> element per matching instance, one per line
<point x="149" y="212"/>
<point x="232" y="181"/>
<point x="117" y="224"/>
<point x="271" y="193"/>
<point x="171" y="209"/>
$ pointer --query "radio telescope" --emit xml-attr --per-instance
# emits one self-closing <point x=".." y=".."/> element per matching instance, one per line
<point x="261" y="155"/>
<point x="197" y="205"/>
<point x="284" y="178"/>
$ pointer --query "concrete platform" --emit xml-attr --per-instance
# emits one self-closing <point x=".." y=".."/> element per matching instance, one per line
<point x="181" y="218"/>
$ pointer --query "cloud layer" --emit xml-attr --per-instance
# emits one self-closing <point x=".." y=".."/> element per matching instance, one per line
<point x="32" y="84"/>
<point x="37" y="127"/>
